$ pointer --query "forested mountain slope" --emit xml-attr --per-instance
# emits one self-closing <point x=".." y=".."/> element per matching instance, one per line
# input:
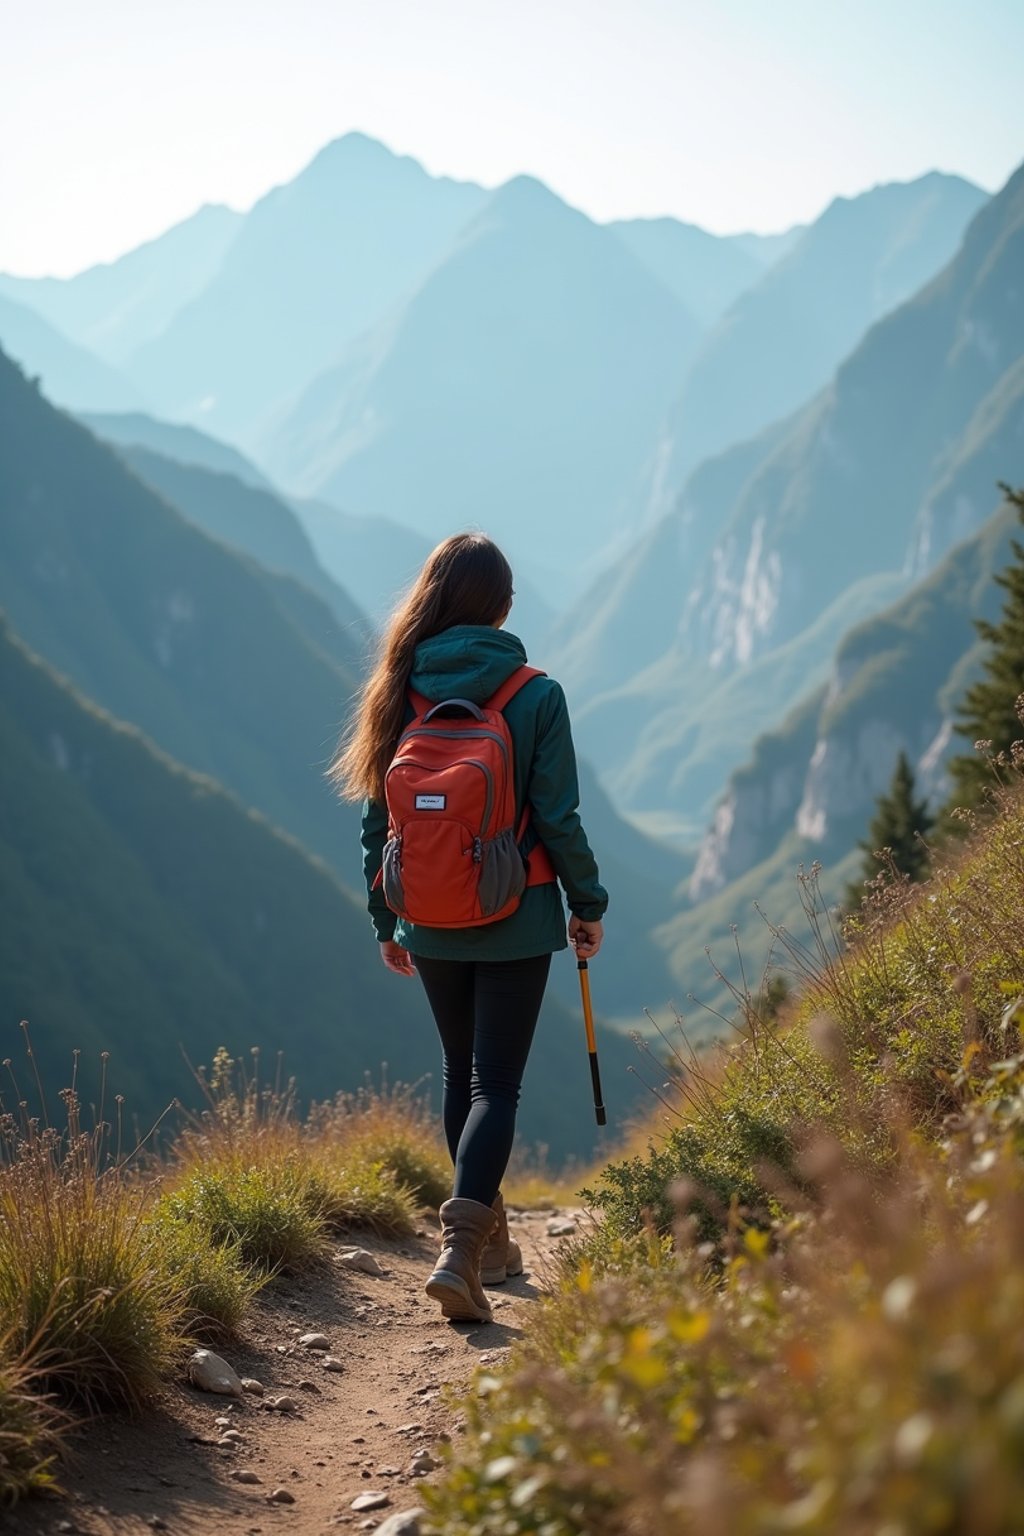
<point x="164" y="626"/>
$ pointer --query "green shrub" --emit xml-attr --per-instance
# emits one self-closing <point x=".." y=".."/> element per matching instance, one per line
<point x="80" y="1284"/>
<point x="212" y="1280"/>
<point x="29" y="1431"/>
<point x="360" y="1192"/>
<point x="271" y="1216"/>
<point x="393" y="1128"/>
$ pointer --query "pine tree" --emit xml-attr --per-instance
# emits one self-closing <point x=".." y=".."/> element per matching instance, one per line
<point x="989" y="710"/>
<point x="900" y="824"/>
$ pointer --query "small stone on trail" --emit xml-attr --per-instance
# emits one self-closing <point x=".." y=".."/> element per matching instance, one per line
<point x="404" y="1522"/>
<point x="561" y="1227"/>
<point x="308" y="1386"/>
<point x="408" y="1429"/>
<point x="210" y="1373"/>
<point x="314" y="1341"/>
<point x="360" y="1259"/>
<point x="230" y="1439"/>
<point x="332" y="1363"/>
<point x="250" y="1384"/>
<point x="281" y="1496"/>
<point x="367" y="1501"/>
<point x="223" y="1422"/>
<point x="245" y="1475"/>
<point x="65" y="1527"/>
<point x="423" y="1462"/>
<point x="281" y="1404"/>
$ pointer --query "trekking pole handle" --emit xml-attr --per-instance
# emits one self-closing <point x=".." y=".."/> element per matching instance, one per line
<point x="588" y="1020"/>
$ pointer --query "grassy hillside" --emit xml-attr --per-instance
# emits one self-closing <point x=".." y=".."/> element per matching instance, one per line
<point x="799" y="1312"/>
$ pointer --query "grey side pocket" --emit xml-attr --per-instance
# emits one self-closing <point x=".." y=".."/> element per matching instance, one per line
<point x="502" y="873"/>
<point x="394" y="893"/>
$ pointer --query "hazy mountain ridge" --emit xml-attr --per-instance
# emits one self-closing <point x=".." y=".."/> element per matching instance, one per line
<point x="69" y="374"/>
<point x="115" y="306"/>
<point x="521" y="386"/>
<point x="783" y="338"/>
<point x="185" y="444"/>
<point x="315" y="263"/>
<point x="256" y="522"/>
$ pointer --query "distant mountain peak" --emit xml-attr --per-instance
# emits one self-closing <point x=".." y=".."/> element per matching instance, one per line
<point x="526" y="199"/>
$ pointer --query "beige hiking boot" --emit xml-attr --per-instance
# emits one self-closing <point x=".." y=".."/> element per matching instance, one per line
<point x="465" y="1227"/>
<point x="501" y="1257"/>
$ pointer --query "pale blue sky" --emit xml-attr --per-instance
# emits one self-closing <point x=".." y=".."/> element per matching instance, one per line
<point x="121" y="116"/>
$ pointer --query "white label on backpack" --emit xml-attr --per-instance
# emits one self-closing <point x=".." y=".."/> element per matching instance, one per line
<point x="431" y="802"/>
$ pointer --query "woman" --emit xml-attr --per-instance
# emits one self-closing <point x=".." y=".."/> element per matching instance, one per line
<point x="484" y="983"/>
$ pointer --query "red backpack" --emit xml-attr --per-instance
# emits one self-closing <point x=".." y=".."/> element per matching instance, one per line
<point x="452" y="856"/>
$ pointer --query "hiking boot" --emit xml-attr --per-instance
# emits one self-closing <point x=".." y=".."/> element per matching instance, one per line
<point x="465" y="1227"/>
<point x="502" y="1256"/>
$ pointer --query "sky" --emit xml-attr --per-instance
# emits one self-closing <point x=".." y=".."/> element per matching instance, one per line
<point x="121" y="117"/>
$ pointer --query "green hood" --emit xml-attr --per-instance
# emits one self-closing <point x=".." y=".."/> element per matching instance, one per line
<point x="468" y="661"/>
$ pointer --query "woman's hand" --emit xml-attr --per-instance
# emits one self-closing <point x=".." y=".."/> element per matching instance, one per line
<point x="586" y="938"/>
<point x="397" y="959"/>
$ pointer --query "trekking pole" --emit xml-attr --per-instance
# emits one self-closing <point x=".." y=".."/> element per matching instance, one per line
<point x="588" y="1019"/>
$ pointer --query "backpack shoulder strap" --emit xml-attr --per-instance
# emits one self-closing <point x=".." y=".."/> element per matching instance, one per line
<point x="511" y="686"/>
<point x="418" y="702"/>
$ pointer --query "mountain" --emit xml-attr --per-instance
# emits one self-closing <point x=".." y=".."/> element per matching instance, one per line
<point x="808" y="789"/>
<point x="166" y="627"/>
<point x="70" y="376"/>
<point x="258" y="523"/>
<point x="767" y="249"/>
<point x="782" y="339"/>
<point x="114" y="307"/>
<point x="894" y="685"/>
<point x="778" y="545"/>
<point x="705" y="272"/>
<point x="147" y="912"/>
<point x="314" y="263"/>
<point x="519" y="388"/>
<point x="186" y="444"/>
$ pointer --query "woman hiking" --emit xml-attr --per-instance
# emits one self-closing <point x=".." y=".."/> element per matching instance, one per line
<point x="463" y="758"/>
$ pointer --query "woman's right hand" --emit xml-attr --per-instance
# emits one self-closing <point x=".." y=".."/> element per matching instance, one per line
<point x="586" y="938"/>
<point x="396" y="958"/>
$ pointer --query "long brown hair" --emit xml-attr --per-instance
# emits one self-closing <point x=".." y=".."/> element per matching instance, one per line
<point x="466" y="580"/>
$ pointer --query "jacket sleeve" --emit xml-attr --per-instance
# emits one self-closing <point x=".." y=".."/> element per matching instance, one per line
<point x="373" y="837"/>
<point x="554" y="794"/>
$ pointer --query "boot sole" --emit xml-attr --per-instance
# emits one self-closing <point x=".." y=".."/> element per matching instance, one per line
<point x="456" y="1301"/>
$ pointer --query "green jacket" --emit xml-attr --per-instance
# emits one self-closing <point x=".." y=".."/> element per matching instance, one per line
<point x="471" y="661"/>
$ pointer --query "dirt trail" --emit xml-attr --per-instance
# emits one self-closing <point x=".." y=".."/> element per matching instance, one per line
<point x="354" y="1432"/>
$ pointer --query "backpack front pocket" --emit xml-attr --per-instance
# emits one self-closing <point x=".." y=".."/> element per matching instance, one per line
<point x="439" y="871"/>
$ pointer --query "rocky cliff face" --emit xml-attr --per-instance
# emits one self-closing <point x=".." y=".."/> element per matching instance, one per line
<point x="894" y="686"/>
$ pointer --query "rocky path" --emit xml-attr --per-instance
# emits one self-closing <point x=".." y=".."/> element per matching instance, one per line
<point x="348" y="1448"/>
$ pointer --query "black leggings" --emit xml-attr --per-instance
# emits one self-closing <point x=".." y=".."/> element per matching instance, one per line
<point x="486" y="1012"/>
